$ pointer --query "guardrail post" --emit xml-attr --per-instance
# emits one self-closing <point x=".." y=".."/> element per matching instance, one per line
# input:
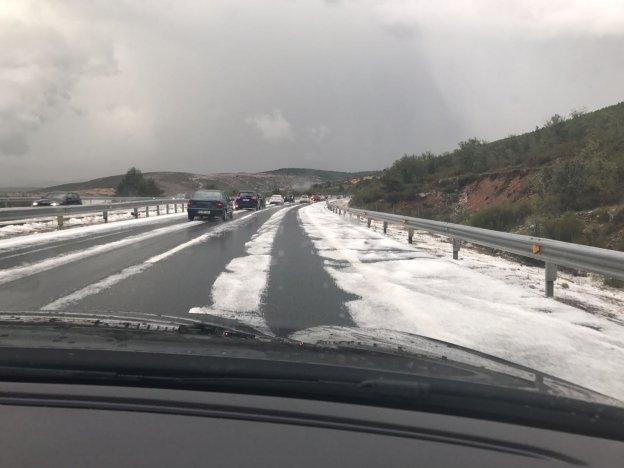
<point x="60" y="220"/>
<point x="167" y="209"/>
<point x="135" y="212"/>
<point x="147" y="211"/>
<point x="410" y="235"/>
<point x="158" y="210"/>
<point x="368" y="222"/>
<point x="105" y="216"/>
<point x="175" y="207"/>
<point x="550" y="274"/>
<point x="456" y="246"/>
<point x="385" y="227"/>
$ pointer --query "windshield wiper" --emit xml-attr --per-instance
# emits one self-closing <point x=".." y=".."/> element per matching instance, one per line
<point x="131" y="321"/>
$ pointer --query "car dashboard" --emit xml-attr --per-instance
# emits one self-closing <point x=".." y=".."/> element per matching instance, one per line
<point x="98" y="425"/>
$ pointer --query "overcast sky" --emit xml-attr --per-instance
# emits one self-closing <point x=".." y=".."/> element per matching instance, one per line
<point x="89" y="88"/>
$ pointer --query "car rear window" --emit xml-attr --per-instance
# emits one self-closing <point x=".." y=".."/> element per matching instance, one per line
<point x="247" y="194"/>
<point x="207" y="194"/>
<point x="56" y="195"/>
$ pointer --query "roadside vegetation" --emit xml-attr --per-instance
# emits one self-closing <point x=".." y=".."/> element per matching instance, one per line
<point x="135" y="184"/>
<point x="563" y="181"/>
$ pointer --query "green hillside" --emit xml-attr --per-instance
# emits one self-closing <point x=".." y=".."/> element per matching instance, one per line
<point x="563" y="180"/>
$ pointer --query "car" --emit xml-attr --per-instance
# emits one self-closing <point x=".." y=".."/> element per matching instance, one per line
<point x="303" y="199"/>
<point x="276" y="200"/>
<point x="316" y="198"/>
<point x="289" y="199"/>
<point x="59" y="199"/>
<point x="209" y="203"/>
<point x="249" y="200"/>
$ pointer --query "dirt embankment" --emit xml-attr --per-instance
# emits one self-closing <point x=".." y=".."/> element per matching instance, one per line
<point x="496" y="189"/>
<point x="483" y="192"/>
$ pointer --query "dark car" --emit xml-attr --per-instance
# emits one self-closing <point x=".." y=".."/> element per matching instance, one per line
<point x="59" y="199"/>
<point x="249" y="200"/>
<point x="209" y="203"/>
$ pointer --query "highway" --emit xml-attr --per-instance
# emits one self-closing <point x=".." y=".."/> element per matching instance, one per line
<point x="305" y="272"/>
<point x="179" y="282"/>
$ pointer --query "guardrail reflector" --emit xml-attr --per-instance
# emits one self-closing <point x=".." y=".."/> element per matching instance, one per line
<point x="536" y="248"/>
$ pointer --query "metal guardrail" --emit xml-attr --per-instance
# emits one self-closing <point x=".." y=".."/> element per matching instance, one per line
<point x="61" y="212"/>
<point x="553" y="253"/>
<point x="7" y="202"/>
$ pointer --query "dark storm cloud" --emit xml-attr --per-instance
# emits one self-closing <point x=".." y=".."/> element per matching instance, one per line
<point x="90" y="88"/>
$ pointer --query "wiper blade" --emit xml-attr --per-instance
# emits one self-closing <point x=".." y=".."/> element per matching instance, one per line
<point x="130" y="321"/>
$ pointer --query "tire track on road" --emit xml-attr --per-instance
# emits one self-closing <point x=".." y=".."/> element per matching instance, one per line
<point x="237" y="292"/>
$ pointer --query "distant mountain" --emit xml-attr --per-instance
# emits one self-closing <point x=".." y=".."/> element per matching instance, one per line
<point x="326" y="176"/>
<point x="183" y="182"/>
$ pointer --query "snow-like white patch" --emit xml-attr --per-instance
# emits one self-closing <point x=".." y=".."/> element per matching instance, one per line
<point x="47" y="237"/>
<point x="32" y="226"/>
<point x="447" y="300"/>
<point x="22" y="271"/>
<point x="586" y="292"/>
<point x="237" y="292"/>
<point x="126" y="273"/>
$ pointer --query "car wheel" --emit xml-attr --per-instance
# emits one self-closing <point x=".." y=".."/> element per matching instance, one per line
<point x="224" y="215"/>
<point x="191" y="217"/>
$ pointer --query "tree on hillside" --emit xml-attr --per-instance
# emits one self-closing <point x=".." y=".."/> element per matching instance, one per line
<point x="134" y="184"/>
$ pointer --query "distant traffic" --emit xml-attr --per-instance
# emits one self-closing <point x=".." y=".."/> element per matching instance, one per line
<point x="218" y="204"/>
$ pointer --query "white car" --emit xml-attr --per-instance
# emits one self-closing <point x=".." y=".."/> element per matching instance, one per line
<point x="276" y="200"/>
<point x="303" y="199"/>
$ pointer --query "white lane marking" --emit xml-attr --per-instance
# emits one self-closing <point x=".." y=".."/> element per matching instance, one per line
<point x="22" y="271"/>
<point x="113" y="279"/>
<point x="237" y="292"/>
<point x="74" y="233"/>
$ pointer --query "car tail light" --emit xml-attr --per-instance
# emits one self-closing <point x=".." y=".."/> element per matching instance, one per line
<point x="219" y="205"/>
<point x="190" y="203"/>
<point x="254" y="197"/>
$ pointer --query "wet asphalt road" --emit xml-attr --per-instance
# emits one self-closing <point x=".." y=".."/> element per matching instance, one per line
<point x="298" y="294"/>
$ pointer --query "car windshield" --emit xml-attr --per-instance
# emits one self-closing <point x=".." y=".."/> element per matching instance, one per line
<point x="452" y="178"/>
<point x="206" y="194"/>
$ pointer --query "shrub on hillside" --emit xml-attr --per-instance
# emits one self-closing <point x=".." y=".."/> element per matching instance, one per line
<point x="567" y="228"/>
<point x="134" y="184"/>
<point x="584" y="181"/>
<point x="502" y="217"/>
